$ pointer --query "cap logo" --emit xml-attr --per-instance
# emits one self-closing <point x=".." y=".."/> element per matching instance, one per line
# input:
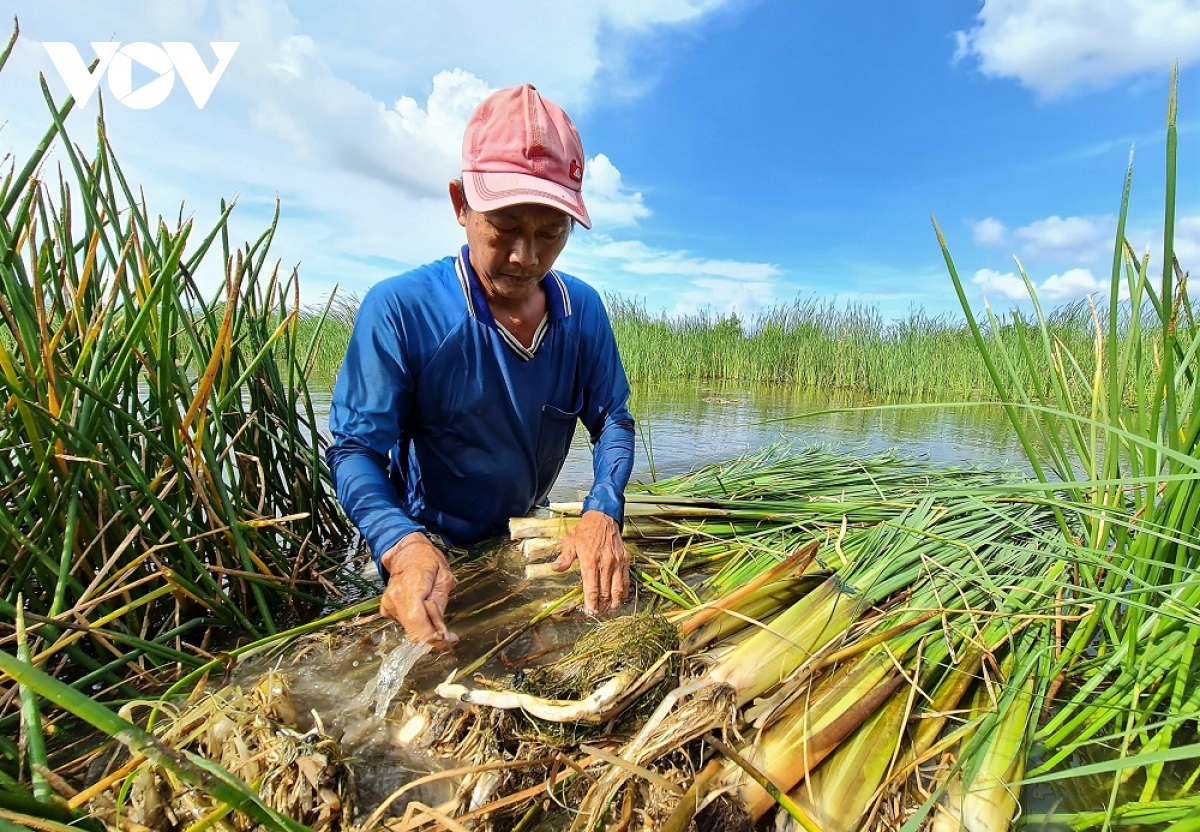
<point x="576" y="171"/>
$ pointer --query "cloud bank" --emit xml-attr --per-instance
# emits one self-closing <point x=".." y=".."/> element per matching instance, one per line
<point x="1056" y="46"/>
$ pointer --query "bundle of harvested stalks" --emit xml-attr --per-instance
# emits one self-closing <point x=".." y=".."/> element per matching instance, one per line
<point x="252" y="734"/>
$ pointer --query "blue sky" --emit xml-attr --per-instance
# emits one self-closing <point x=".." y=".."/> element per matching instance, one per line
<point x="741" y="154"/>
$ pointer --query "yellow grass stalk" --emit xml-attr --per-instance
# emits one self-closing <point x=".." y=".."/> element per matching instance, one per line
<point x="760" y="597"/>
<point x="842" y="790"/>
<point x="815" y="725"/>
<point x="771" y="655"/>
<point x="981" y="798"/>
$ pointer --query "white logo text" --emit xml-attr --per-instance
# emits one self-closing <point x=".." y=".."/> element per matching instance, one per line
<point x="117" y="60"/>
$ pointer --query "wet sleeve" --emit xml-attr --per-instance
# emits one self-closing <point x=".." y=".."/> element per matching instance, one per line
<point x="371" y="399"/>
<point x="606" y="415"/>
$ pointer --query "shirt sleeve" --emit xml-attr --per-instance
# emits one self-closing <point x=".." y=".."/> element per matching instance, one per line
<point x="606" y="415"/>
<point x="371" y="400"/>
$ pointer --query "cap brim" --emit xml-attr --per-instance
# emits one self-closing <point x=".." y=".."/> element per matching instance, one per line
<point x="494" y="190"/>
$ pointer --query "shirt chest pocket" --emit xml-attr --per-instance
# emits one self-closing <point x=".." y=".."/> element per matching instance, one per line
<point x="554" y="441"/>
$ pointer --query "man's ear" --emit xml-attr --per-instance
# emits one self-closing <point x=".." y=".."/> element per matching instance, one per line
<point x="458" y="199"/>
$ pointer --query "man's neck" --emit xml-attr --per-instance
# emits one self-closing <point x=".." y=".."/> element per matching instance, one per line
<point x="520" y="317"/>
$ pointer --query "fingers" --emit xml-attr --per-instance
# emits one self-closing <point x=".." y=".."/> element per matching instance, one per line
<point x="422" y="621"/>
<point x="435" y="607"/>
<point x="590" y="577"/>
<point x="417" y="594"/>
<point x="613" y="577"/>
<point x="444" y="639"/>
<point x="419" y="626"/>
<point x="603" y="561"/>
<point x="620" y="582"/>
<point x="439" y="593"/>
<point x="565" y="558"/>
<point x="587" y="574"/>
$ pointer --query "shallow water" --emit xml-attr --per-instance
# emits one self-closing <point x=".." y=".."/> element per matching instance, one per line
<point x="344" y="676"/>
<point x="682" y="425"/>
<point x="389" y="679"/>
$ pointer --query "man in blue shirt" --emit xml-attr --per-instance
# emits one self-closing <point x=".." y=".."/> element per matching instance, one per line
<point x="456" y="404"/>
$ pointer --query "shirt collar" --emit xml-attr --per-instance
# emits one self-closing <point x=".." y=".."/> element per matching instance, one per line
<point x="558" y="300"/>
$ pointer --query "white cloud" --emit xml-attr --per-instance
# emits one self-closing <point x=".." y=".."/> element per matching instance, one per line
<point x="744" y="299"/>
<point x="1187" y="242"/>
<point x="988" y="232"/>
<point x="351" y="116"/>
<point x="609" y="203"/>
<point x="1077" y="238"/>
<point x="1070" y="285"/>
<point x="296" y="96"/>
<point x="636" y="257"/>
<point x="580" y="51"/>
<point x="1006" y="285"/>
<point x="679" y="281"/>
<point x="1054" y="46"/>
<point x="638" y="15"/>
<point x="1073" y="284"/>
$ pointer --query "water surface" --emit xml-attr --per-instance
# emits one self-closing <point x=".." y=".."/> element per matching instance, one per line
<point x="682" y="425"/>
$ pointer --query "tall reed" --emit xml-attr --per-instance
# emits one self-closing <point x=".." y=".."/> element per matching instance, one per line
<point x="820" y="344"/>
<point x="806" y="344"/>
<point x="1119" y="430"/>
<point x="161" y="474"/>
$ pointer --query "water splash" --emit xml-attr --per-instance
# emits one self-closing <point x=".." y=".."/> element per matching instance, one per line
<point x="379" y="693"/>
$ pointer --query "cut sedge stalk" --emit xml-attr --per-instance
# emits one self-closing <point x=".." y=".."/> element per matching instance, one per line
<point x="812" y="725"/>
<point x="754" y="599"/>
<point x="842" y="789"/>
<point x="891" y="559"/>
<point x="771" y="655"/>
<point x="788" y="750"/>
<point x="980" y="795"/>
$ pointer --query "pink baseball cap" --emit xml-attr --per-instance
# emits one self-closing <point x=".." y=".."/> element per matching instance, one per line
<point x="520" y="148"/>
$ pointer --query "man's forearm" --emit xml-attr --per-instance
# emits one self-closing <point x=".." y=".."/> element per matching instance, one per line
<point x="369" y="498"/>
<point x="612" y="463"/>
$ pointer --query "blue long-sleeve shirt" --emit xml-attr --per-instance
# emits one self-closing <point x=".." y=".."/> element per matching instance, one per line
<point x="443" y="422"/>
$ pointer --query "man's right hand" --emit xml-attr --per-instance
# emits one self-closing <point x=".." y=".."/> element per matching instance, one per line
<point x="418" y="589"/>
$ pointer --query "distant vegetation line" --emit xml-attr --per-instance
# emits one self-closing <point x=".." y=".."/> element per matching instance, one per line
<point x="813" y="344"/>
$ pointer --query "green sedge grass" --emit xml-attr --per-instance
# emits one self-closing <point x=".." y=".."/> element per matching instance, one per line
<point x="807" y="344"/>
<point x="161" y="474"/>
<point x="1118" y="430"/>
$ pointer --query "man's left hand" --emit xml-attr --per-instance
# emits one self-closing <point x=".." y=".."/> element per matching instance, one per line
<point x="603" y="562"/>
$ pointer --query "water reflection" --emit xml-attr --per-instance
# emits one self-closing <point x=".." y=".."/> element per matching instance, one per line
<point x="686" y="425"/>
<point x="683" y="425"/>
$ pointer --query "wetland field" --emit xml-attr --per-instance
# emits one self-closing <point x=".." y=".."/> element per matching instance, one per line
<point x="928" y="574"/>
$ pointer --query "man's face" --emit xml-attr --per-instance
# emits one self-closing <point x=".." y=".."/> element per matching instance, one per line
<point x="513" y="248"/>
